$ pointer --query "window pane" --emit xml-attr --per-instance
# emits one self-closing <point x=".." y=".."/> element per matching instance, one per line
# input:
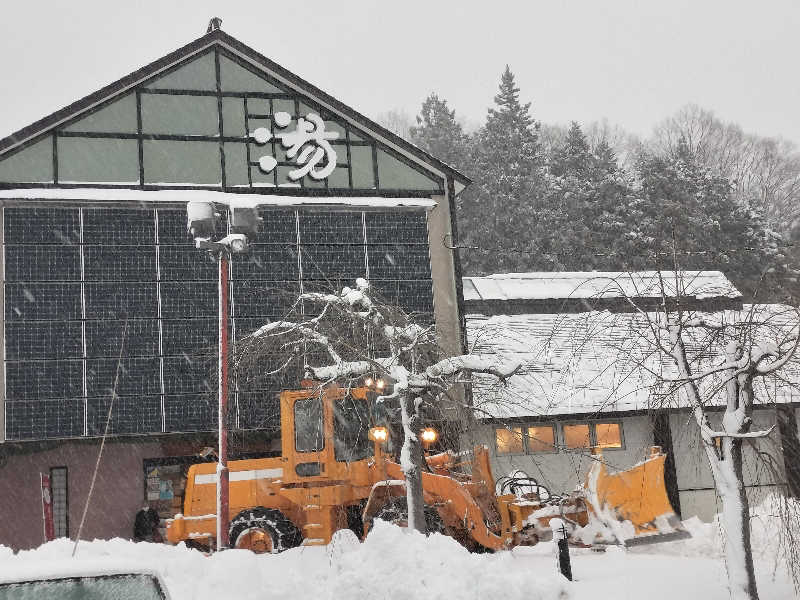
<point x="608" y="435"/>
<point x="541" y="438"/>
<point x="284" y="105"/>
<point x="236" y="164"/>
<point x="394" y="174"/>
<point x="340" y="178"/>
<point x="577" y="436"/>
<point x="91" y="160"/>
<point x="508" y="440"/>
<point x="33" y="164"/>
<point x="117" y="117"/>
<point x="308" y="425"/>
<point x="182" y="162"/>
<point x="233" y="117"/>
<point x="350" y="430"/>
<point x="361" y="164"/>
<point x="184" y="115"/>
<point x="58" y="487"/>
<point x="235" y="78"/>
<point x="199" y="74"/>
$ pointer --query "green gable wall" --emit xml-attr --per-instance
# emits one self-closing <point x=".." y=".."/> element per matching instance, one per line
<point x="193" y="126"/>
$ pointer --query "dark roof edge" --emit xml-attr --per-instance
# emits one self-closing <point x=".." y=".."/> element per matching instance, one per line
<point x="219" y="36"/>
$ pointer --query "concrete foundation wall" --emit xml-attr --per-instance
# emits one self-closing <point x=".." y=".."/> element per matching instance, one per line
<point x="117" y="496"/>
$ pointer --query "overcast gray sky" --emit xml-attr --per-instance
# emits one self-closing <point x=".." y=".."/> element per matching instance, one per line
<point x="631" y="62"/>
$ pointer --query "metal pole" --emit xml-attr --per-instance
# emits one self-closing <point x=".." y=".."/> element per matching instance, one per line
<point x="223" y="515"/>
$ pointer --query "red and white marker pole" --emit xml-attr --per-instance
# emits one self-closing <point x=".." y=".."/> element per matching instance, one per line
<point x="47" y="508"/>
<point x="223" y="504"/>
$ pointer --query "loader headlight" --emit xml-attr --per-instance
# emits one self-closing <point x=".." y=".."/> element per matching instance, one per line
<point x="429" y="435"/>
<point x="379" y="434"/>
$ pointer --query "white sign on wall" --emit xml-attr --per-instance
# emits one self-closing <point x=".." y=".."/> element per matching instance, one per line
<point x="317" y="157"/>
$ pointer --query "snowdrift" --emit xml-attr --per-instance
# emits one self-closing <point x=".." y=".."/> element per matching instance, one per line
<point x="392" y="563"/>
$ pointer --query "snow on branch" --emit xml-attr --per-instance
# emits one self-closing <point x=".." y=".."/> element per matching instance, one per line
<point x="475" y="363"/>
<point x="711" y="434"/>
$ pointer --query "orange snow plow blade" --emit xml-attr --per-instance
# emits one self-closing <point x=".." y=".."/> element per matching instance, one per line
<point x="634" y="503"/>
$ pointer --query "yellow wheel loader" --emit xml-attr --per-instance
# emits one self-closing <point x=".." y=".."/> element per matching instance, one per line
<point x="333" y="473"/>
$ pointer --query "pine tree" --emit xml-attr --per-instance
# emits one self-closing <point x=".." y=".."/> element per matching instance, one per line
<point x="438" y="133"/>
<point x="500" y="210"/>
<point x="573" y="158"/>
<point x="685" y="207"/>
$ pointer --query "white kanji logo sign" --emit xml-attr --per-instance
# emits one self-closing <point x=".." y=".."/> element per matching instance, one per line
<point x="307" y="145"/>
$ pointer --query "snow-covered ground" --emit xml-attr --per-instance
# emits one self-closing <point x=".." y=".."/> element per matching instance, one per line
<point x="394" y="563"/>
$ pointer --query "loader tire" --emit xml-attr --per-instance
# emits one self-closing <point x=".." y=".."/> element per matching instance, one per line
<point x="396" y="511"/>
<point x="263" y="530"/>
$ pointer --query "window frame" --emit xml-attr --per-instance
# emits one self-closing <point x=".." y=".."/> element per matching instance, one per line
<point x="592" y="423"/>
<point x="526" y="449"/>
<point x="65" y="469"/>
<point x="553" y="428"/>
<point x="510" y="428"/>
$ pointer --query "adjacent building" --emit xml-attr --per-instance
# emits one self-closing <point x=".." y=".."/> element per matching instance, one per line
<point x="94" y="243"/>
<point x="583" y="386"/>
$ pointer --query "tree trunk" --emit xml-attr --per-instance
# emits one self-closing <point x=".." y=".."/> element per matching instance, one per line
<point x="726" y="467"/>
<point x="411" y="457"/>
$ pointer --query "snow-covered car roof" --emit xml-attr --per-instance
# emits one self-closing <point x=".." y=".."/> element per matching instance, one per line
<point x="14" y="571"/>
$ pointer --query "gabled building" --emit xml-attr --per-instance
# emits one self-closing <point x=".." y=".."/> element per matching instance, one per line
<point x="581" y="385"/>
<point x="93" y="207"/>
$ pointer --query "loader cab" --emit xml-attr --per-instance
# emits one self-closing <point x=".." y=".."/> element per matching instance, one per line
<point x="325" y="434"/>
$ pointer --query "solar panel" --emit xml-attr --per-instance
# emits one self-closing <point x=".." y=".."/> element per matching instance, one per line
<point x="74" y="275"/>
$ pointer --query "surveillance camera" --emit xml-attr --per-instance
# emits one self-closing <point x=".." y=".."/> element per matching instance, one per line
<point x="237" y="242"/>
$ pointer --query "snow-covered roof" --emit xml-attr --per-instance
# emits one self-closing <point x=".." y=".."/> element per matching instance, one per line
<point x="597" y="284"/>
<point x="585" y="362"/>
<point x="231" y="199"/>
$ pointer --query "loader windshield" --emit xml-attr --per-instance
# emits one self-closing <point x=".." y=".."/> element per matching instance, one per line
<point x="351" y="423"/>
<point x="308" y="435"/>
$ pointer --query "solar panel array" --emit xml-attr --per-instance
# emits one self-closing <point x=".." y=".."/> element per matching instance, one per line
<point x="74" y="276"/>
